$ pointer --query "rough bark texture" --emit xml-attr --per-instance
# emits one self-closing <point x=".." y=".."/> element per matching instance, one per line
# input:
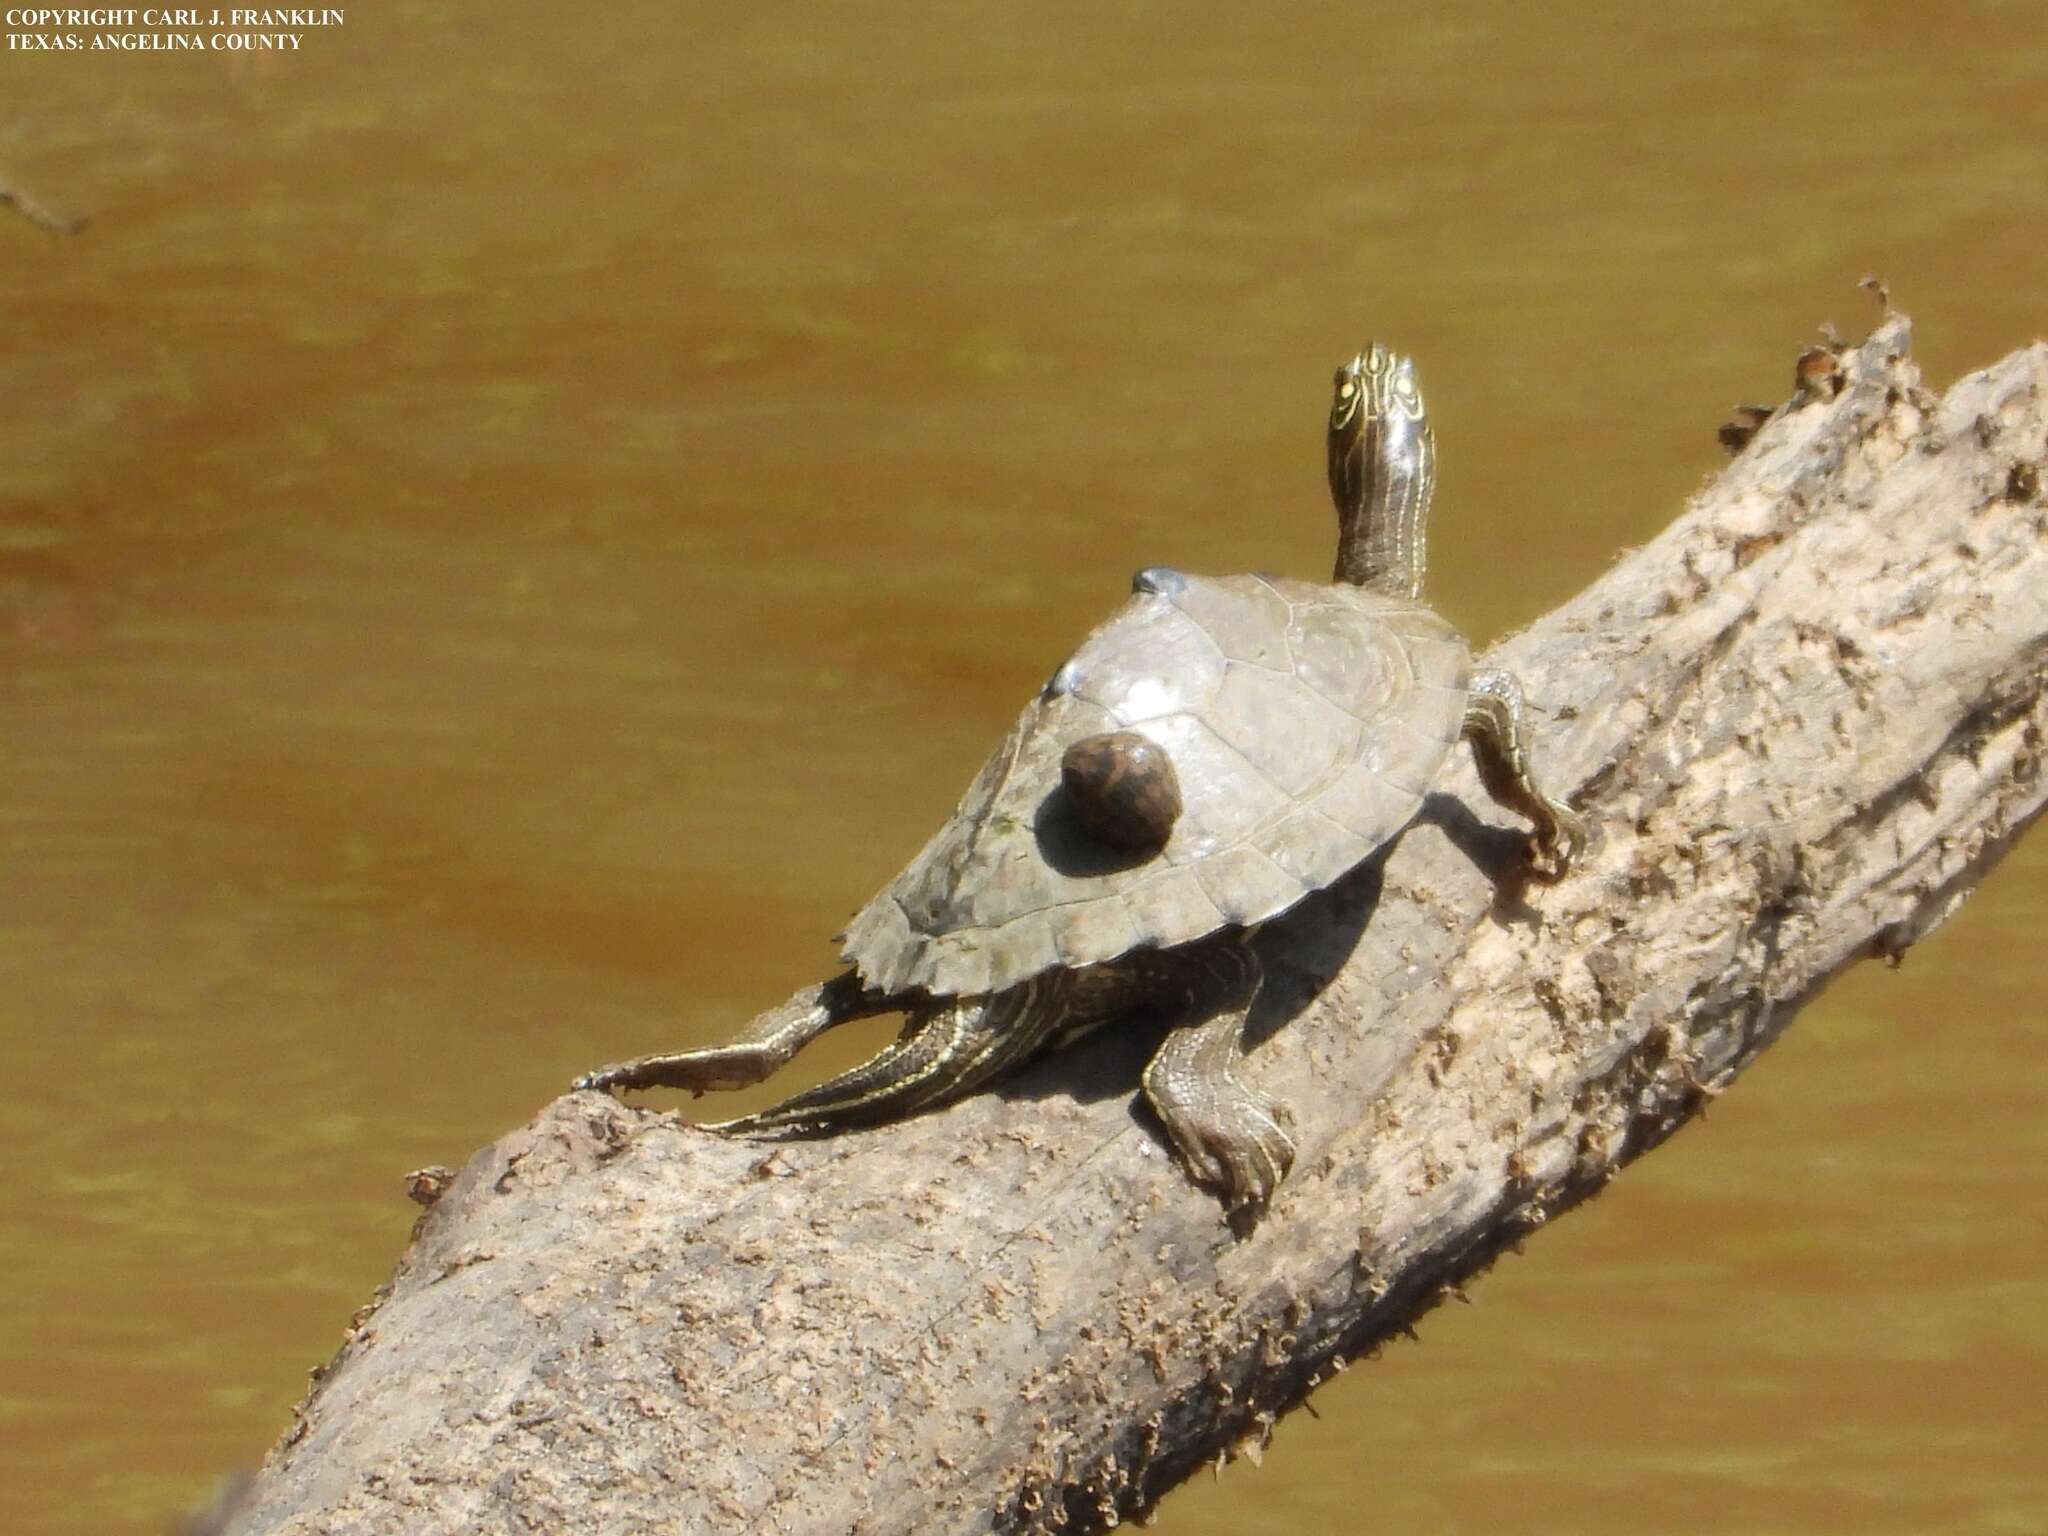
<point x="1804" y="721"/>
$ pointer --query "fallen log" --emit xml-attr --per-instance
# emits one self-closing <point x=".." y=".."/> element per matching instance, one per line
<point x="1804" y="722"/>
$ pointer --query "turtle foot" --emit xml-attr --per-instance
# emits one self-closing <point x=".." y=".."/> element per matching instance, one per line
<point x="1230" y="1138"/>
<point x="700" y="1071"/>
<point x="769" y="1041"/>
<point x="1496" y="724"/>
<point x="1560" y="838"/>
<point x="1238" y="1143"/>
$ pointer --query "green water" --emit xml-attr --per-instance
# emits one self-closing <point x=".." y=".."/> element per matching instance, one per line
<point x="516" y="519"/>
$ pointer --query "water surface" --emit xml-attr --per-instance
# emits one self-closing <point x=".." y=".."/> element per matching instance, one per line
<point x="517" y="521"/>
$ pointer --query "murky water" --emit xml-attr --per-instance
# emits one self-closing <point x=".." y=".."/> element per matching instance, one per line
<point x="517" y="519"/>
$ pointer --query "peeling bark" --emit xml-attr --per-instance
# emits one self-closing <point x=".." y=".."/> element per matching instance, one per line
<point x="1804" y="722"/>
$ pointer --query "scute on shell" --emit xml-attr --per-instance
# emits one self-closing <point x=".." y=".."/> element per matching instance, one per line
<point x="1304" y="721"/>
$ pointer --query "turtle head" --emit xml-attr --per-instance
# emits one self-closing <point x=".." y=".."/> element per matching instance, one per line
<point x="1382" y="471"/>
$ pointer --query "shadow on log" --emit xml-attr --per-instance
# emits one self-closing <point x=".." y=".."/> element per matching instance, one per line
<point x="1804" y="721"/>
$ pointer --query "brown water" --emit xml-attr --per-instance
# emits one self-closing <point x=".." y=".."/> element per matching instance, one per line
<point x="516" y="519"/>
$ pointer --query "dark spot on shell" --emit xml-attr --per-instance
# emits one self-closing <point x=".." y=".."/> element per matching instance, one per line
<point x="1123" y="789"/>
<point x="1162" y="579"/>
<point x="1070" y="848"/>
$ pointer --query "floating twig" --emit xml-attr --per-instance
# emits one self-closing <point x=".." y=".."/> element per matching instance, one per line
<point x="38" y="212"/>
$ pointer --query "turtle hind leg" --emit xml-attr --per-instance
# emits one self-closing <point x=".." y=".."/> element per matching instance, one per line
<point x="765" y="1044"/>
<point x="1497" y="726"/>
<point x="946" y="1051"/>
<point x="1230" y="1137"/>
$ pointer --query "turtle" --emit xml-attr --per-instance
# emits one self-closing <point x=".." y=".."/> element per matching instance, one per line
<point x="1218" y="750"/>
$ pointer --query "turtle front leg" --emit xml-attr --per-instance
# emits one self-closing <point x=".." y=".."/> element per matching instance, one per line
<point x="1496" y="725"/>
<point x="767" y="1043"/>
<point x="1229" y="1137"/>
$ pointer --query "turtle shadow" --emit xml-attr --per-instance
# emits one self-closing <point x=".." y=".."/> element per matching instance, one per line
<point x="1071" y="849"/>
<point x="1303" y="951"/>
<point x="1308" y="946"/>
<point x="1105" y="1065"/>
<point x="1499" y="853"/>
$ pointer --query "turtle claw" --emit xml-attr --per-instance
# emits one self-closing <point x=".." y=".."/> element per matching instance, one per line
<point x="1557" y="842"/>
<point x="1229" y="1138"/>
<point x="1249" y="1151"/>
<point x="1259" y="1162"/>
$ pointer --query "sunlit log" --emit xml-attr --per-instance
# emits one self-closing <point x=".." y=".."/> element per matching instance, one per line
<point x="1805" y="721"/>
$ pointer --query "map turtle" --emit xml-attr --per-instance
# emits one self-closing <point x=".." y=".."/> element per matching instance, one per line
<point x="1219" y="749"/>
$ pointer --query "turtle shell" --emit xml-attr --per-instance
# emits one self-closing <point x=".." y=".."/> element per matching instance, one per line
<point x="1305" y="723"/>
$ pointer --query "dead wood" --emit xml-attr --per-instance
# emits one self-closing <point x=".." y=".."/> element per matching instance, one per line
<point x="1805" y="721"/>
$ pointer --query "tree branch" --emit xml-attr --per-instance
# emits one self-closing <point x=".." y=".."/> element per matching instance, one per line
<point x="1805" y="720"/>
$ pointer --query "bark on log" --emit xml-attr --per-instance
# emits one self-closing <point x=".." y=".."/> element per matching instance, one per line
<point x="1805" y="720"/>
